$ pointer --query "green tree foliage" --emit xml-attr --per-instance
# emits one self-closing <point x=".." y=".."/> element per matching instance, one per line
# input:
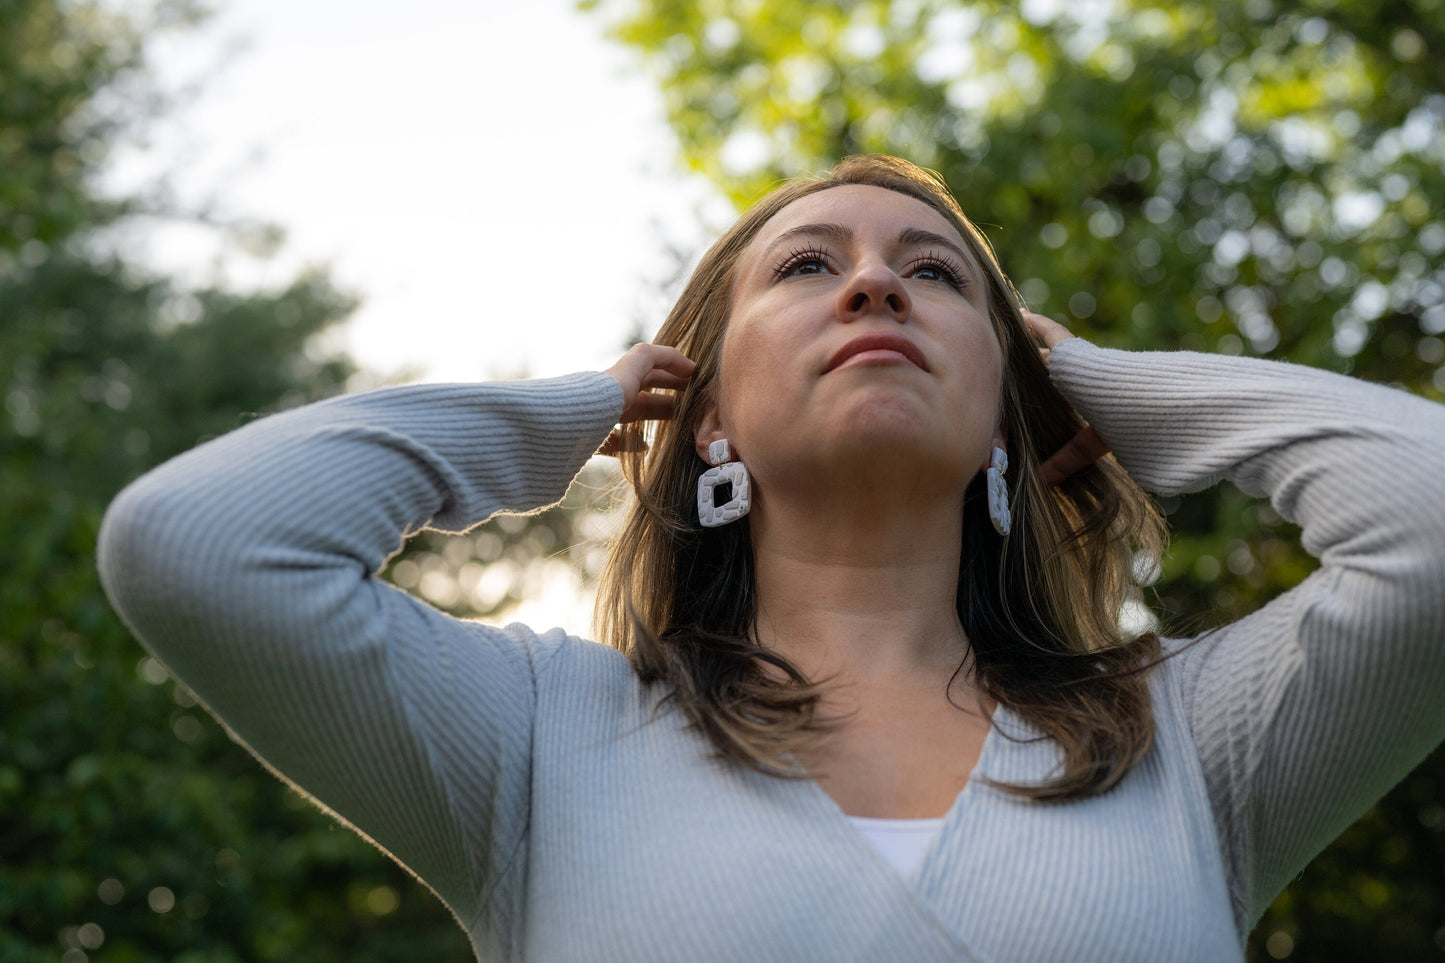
<point x="131" y="827"/>
<point x="1261" y="177"/>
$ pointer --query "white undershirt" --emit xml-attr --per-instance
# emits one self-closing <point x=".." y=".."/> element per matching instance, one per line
<point x="902" y="842"/>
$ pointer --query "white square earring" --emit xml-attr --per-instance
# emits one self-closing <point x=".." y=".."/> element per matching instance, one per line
<point x="998" y="510"/>
<point x="723" y="472"/>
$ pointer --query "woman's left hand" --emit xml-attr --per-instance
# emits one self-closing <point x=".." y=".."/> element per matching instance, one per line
<point x="1047" y="330"/>
<point x="1086" y="447"/>
<point x="644" y="367"/>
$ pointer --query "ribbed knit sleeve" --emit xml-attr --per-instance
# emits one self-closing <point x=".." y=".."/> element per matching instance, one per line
<point x="246" y="566"/>
<point x="1308" y="710"/>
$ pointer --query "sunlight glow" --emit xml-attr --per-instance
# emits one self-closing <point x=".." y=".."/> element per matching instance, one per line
<point x="496" y="215"/>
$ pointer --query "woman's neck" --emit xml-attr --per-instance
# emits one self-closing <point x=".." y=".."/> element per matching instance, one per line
<point x="865" y="593"/>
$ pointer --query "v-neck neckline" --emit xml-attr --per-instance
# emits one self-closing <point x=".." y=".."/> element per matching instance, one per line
<point x="950" y="818"/>
<point x="919" y="889"/>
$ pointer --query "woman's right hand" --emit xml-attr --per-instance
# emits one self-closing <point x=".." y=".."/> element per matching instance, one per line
<point x="644" y="367"/>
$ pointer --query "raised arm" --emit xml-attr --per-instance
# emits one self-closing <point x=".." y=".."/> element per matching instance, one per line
<point x="1308" y="710"/>
<point x="247" y="567"/>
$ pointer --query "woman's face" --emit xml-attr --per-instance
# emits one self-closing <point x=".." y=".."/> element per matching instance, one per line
<point x="859" y="333"/>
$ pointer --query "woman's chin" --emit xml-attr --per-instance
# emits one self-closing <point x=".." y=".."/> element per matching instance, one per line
<point x="895" y="434"/>
<point x="887" y="420"/>
<point x="898" y="435"/>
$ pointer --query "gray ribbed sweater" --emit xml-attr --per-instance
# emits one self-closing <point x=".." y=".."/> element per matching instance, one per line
<point x="517" y="775"/>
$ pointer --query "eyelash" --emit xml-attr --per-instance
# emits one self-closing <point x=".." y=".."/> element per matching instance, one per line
<point x="952" y="276"/>
<point x="799" y="257"/>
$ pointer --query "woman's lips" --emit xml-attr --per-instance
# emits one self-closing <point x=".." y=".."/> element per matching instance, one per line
<point x="881" y="348"/>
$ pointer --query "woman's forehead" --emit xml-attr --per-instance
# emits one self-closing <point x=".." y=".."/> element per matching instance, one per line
<point x="859" y="207"/>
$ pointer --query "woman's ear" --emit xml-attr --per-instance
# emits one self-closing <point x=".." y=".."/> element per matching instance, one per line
<point x="709" y="429"/>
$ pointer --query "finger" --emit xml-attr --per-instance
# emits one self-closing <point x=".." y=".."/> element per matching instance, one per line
<point x="646" y="359"/>
<point x="640" y="362"/>
<point x="649" y="406"/>
<point x="661" y="378"/>
<point x="673" y="361"/>
<point x="1082" y="450"/>
<point x="1047" y="330"/>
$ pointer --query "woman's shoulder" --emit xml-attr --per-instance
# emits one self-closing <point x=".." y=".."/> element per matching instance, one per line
<point x="561" y="659"/>
<point x="1175" y="665"/>
<point x="585" y="690"/>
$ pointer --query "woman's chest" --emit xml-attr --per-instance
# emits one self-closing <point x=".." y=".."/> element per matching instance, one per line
<point x="773" y="869"/>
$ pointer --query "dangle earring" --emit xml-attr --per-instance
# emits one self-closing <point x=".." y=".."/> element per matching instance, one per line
<point x="723" y="472"/>
<point x="998" y="511"/>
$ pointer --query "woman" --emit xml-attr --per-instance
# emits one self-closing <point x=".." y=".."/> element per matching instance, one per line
<point x="902" y="611"/>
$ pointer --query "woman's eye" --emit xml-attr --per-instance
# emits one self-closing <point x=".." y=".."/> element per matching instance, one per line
<point x="802" y="263"/>
<point x="938" y="271"/>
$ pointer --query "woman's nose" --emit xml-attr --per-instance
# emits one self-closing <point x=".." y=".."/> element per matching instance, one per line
<point x="874" y="289"/>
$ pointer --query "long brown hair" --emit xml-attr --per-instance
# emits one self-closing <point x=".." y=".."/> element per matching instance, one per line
<point x="1040" y="607"/>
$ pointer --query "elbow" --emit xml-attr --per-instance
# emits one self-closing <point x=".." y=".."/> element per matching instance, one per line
<point x="128" y="550"/>
<point x="146" y="553"/>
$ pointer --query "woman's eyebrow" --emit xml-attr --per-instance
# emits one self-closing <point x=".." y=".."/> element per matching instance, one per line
<point x="837" y="233"/>
<point x="914" y="235"/>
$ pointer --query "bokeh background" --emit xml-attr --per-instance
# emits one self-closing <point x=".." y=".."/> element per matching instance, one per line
<point x="209" y="214"/>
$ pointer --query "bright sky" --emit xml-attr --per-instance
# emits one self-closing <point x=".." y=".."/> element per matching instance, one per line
<point x="496" y="180"/>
